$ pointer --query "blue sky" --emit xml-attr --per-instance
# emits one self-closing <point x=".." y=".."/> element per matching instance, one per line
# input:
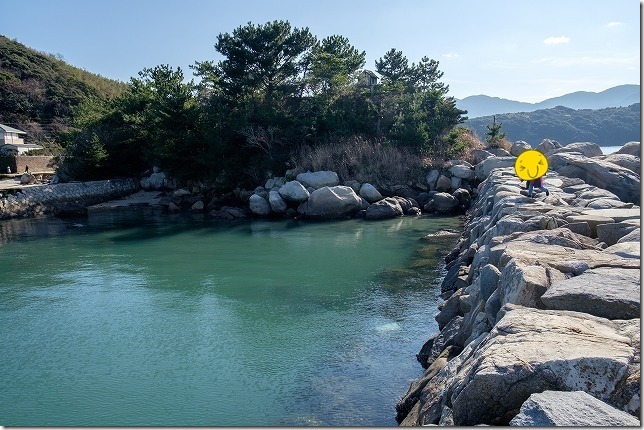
<point x="515" y="49"/>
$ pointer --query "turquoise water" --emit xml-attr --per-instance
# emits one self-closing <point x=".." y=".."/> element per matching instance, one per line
<point x="144" y="318"/>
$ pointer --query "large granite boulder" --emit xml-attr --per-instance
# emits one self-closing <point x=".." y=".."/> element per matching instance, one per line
<point x="519" y="147"/>
<point x="630" y="162"/>
<point x="631" y="148"/>
<point x="294" y="191"/>
<point x="384" y="209"/>
<point x="483" y="169"/>
<point x="370" y="193"/>
<point x="620" y="181"/>
<point x="259" y="205"/>
<point x="612" y="293"/>
<point x="444" y="202"/>
<point x="27" y="178"/>
<point x="157" y="180"/>
<point x="318" y="179"/>
<point x="331" y="203"/>
<point x="587" y="149"/>
<point x="276" y="202"/>
<point x="462" y="169"/>
<point x="531" y="351"/>
<point x="570" y="409"/>
<point x="548" y="145"/>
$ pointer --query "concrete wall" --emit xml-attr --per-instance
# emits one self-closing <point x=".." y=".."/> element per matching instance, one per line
<point x="18" y="163"/>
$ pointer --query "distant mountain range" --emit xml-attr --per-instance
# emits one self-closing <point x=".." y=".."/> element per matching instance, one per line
<point x="621" y="95"/>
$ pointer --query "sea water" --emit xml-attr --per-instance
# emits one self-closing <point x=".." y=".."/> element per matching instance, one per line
<point x="142" y="318"/>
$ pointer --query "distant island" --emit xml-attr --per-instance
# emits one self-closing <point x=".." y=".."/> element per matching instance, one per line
<point x="611" y="126"/>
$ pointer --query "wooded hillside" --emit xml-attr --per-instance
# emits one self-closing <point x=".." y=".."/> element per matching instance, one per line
<point x="38" y="91"/>
<point x="606" y="127"/>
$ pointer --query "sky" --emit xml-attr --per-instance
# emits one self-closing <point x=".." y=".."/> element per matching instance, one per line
<point x="524" y="50"/>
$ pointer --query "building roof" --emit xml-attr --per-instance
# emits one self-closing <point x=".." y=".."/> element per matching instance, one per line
<point x="370" y="73"/>
<point x="8" y="129"/>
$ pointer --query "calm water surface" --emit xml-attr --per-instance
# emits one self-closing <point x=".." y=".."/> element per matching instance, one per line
<point x="144" y="318"/>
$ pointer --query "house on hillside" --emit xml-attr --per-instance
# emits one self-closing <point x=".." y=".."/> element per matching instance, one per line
<point x="12" y="141"/>
<point x="368" y="79"/>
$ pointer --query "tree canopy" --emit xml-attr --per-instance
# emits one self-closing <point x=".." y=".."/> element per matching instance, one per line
<point x="276" y="90"/>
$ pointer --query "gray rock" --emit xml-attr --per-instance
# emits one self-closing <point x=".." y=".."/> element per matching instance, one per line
<point x="519" y="147"/>
<point x="630" y="162"/>
<point x="455" y="182"/>
<point x="331" y="203"/>
<point x="450" y="309"/>
<point x="370" y="193"/>
<point x="355" y="185"/>
<point x="197" y="206"/>
<point x="443" y="183"/>
<point x="611" y="293"/>
<point x="444" y="202"/>
<point x="276" y="202"/>
<point x="27" y="178"/>
<point x="531" y="351"/>
<point x="294" y="191"/>
<point x="633" y="236"/>
<point x="181" y="192"/>
<point x="608" y="204"/>
<point x="631" y="148"/>
<point x="630" y="250"/>
<point x="432" y="177"/>
<point x="587" y="149"/>
<point x="603" y="174"/>
<point x="592" y="219"/>
<point x="384" y="209"/>
<point x="611" y="233"/>
<point x="485" y="167"/>
<point x="259" y="205"/>
<point x="547" y="145"/>
<point x="490" y="276"/>
<point x="499" y="152"/>
<point x="318" y="179"/>
<point x="570" y="409"/>
<point x="463" y="171"/>
<point x="618" y="215"/>
<point x="157" y="180"/>
<point x="479" y="155"/>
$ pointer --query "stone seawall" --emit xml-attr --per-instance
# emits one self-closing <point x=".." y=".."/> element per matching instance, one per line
<point x="541" y="320"/>
<point x="41" y="199"/>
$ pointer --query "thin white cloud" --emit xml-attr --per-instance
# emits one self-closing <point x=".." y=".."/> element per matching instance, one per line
<point x="614" y="24"/>
<point x="556" y="40"/>
<point x="451" y="55"/>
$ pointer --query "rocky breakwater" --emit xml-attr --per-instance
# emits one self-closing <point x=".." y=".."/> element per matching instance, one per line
<point x="541" y="320"/>
<point x="63" y="198"/>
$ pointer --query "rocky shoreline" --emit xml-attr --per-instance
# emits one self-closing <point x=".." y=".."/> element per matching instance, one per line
<point x="541" y="320"/>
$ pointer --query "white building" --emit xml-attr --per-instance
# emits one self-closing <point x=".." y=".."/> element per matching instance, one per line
<point x="12" y="139"/>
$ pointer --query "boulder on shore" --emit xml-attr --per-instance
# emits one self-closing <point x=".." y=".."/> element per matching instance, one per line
<point x="331" y="203"/>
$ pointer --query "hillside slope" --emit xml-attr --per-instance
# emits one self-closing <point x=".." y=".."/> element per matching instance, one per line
<point x="606" y="127"/>
<point x="39" y="91"/>
<point x="619" y="96"/>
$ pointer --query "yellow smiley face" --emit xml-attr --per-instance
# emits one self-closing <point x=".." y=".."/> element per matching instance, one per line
<point x="531" y="165"/>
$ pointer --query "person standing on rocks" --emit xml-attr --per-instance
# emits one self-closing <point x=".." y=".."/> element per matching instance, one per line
<point x="538" y="183"/>
<point x="531" y="166"/>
